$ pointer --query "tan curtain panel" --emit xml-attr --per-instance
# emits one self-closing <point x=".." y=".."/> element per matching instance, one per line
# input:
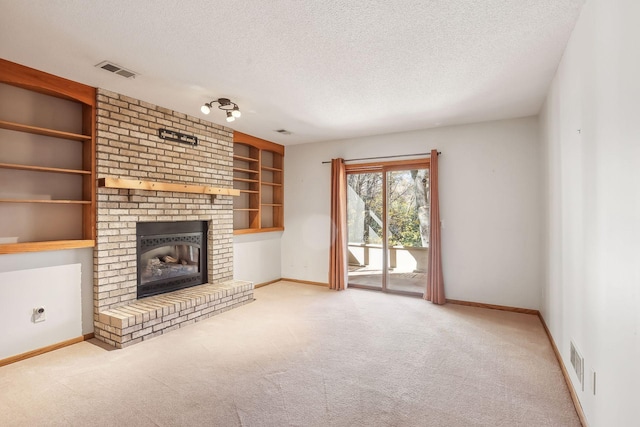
<point x="337" y="254"/>
<point x="435" y="281"/>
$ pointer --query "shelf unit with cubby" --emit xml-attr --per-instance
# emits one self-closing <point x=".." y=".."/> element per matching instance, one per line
<point x="47" y="161"/>
<point x="258" y="173"/>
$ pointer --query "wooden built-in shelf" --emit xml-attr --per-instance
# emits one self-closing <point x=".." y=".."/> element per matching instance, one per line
<point x="268" y="168"/>
<point x="42" y="169"/>
<point x="244" y="170"/>
<point x="54" y="245"/>
<point x="60" y="202"/>
<point x="259" y="175"/>
<point x="43" y="131"/>
<point x="131" y="184"/>
<point x="63" y="101"/>
<point x="246" y="180"/>
<point x="257" y="230"/>
<point x="244" y="158"/>
<point x="269" y="229"/>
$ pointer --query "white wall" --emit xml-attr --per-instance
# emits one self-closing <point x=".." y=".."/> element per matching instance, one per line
<point x="490" y="205"/>
<point x="62" y="281"/>
<point x="592" y="278"/>
<point x="256" y="257"/>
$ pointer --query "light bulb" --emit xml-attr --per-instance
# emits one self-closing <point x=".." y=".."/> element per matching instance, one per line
<point x="230" y="117"/>
<point x="236" y="113"/>
<point x="205" y="109"/>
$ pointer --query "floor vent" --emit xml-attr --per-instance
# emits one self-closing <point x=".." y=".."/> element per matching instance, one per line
<point x="577" y="361"/>
<point x="113" y="68"/>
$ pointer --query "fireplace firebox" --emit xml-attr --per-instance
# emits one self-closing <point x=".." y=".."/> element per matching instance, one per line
<point x="170" y="256"/>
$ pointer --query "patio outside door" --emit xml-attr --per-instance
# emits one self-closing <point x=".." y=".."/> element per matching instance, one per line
<point x="388" y="226"/>
<point x="365" y="229"/>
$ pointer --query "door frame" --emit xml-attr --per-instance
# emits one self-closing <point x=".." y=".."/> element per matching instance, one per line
<point x="384" y="167"/>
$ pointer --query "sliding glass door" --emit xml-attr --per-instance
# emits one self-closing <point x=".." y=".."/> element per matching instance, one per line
<point x="388" y="226"/>
<point x="365" y="229"/>
<point x="408" y="230"/>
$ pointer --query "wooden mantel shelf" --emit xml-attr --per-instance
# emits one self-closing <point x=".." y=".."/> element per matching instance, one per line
<point x="134" y="184"/>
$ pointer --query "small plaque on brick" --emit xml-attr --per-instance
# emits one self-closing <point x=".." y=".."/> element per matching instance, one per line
<point x="172" y="135"/>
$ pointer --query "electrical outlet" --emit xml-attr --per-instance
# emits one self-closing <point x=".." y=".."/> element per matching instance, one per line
<point x="39" y="314"/>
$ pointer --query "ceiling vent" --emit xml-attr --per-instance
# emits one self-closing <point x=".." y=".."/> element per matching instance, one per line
<point x="283" y="132"/>
<point x="111" y="67"/>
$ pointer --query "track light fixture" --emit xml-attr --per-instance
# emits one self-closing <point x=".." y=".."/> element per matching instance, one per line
<point x="231" y="108"/>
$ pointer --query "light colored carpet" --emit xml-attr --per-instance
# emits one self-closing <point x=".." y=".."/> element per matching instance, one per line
<point x="302" y="355"/>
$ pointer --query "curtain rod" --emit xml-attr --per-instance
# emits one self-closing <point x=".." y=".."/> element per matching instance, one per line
<point x="385" y="157"/>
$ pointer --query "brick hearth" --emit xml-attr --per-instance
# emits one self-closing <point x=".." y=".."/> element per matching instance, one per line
<point x="128" y="146"/>
<point x="152" y="316"/>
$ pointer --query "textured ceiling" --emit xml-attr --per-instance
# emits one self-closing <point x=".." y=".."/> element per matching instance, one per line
<point x="323" y="70"/>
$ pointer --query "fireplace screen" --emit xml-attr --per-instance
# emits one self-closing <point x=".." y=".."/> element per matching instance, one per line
<point x="171" y="256"/>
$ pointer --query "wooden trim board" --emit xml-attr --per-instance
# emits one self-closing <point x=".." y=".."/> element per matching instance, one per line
<point x="43" y="131"/>
<point x="38" y="81"/>
<point x="256" y="230"/>
<point x="305" y="282"/>
<point x="39" y="351"/>
<point x="260" y="285"/>
<point x="54" y="245"/>
<point x="493" y="306"/>
<point x="284" y="279"/>
<point x="43" y="169"/>
<point x="260" y="143"/>
<point x="572" y="391"/>
<point x="419" y="163"/>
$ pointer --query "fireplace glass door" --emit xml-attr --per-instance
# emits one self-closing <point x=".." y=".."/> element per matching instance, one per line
<point x="171" y="256"/>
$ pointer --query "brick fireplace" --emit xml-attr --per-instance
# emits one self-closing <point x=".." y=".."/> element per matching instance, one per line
<point x="128" y="147"/>
<point x="170" y="256"/>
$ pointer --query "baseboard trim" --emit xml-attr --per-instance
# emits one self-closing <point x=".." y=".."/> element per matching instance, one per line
<point x="494" y="306"/>
<point x="572" y="391"/>
<point x="47" y="349"/>
<point x="259" y="285"/>
<point x="306" y="282"/>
